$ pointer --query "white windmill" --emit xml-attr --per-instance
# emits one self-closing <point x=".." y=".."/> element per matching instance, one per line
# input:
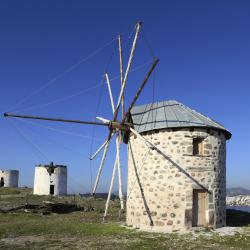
<point x="119" y="129"/>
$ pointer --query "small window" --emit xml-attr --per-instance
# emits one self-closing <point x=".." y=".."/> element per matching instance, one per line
<point x="52" y="170"/>
<point x="198" y="146"/>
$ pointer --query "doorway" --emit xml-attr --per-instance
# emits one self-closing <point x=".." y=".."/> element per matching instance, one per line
<point x="51" y="189"/>
<point x="2" y="182"/>
<point x="199" y="208"/>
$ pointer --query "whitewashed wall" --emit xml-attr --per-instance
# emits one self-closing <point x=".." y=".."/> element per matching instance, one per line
<point x="10" y="177"/>
<point x="43" y="179"/>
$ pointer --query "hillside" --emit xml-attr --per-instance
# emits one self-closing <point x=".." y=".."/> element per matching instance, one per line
<point x="237" y="191"/>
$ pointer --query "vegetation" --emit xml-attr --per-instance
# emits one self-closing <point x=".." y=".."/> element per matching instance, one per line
<point x="23" y="229"/>
<point x="10" y="191"/>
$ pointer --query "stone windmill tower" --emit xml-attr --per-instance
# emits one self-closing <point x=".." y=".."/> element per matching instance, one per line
<point x="176" y="169"/>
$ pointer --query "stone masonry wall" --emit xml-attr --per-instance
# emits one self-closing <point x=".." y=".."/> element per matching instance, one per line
<point x="160" y="188"/>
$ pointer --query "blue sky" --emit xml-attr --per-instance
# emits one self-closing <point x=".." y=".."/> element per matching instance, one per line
<point x="204" y="52"/>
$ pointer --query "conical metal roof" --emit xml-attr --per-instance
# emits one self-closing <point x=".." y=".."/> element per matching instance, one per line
<point x="171" y="114"/>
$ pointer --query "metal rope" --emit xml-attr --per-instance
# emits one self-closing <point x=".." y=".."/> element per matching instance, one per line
<point x="79" y="92"/>
<point x="63" y="73"/>
<point x="60" y="99"/>
<point x="29" y="141"/>
<point x="49" y="139"/>
<point x="57" y="130"/>
<point x="150" y="48"/>
<point x="93" y="134"/>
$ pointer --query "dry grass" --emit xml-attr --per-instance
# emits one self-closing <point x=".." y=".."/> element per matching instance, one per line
<point x="85" y="230"/>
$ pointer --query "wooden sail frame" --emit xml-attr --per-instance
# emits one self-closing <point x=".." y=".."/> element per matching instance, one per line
<point x="118" y="128"/>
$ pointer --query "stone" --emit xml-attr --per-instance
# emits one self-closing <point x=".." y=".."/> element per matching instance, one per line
<point x="153" y="213"/>
<point x="211" y="198"/>
<point x="188" y="216"/>
<point x="159" y="223"/>
<point x="176" y="206"/>
<point x="211" y="217"/>
<point x="170" y="222"/>
<point x="208" y="146"/>
<point x="211" y="206"/>
<point x="190" y="150"/>
<point x="185" y="143"/>
<point x="172" y="199"/>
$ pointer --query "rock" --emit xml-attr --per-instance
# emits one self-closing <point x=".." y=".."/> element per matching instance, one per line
<point x="239" y="200"/>
<point x="170" y="222"/>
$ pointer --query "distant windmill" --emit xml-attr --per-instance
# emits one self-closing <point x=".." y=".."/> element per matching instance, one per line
<point x="119" y="129"/>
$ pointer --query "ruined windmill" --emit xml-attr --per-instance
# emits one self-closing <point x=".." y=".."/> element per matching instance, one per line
<point x="176" y="160"/>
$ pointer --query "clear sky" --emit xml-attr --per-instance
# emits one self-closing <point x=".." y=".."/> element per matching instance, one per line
<point x="204" y="52"/>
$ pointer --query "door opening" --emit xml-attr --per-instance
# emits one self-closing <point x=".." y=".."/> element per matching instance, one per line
<point x="2" y="182"/>
<point x="51" y="189"/>
<point x="199" y="208"/>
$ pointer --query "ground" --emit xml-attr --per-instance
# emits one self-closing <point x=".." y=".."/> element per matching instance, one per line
<point x="37" y="228"/>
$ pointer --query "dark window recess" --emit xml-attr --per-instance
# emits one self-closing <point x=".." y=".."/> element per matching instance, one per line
<point x="2" y="182"/>
<point x="51" y="189"/>
<point x="198" y="146"/>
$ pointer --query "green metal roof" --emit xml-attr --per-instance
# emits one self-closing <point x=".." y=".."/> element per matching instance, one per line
<point x="171" y="114"/>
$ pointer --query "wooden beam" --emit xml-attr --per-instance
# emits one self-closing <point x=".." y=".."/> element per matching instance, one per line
<point x="121" y="71"/>
<point x="141" y="87"/>
<point x="101" y="166"/>
<point x="54" y="119"/>
<point x="138" y="27"/>
<point x="99" y="149"/>
<point x="112" y="125"/>
<point x="110" y="93"/>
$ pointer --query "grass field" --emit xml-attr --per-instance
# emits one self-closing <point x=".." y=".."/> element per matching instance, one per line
<point x="85" y="230"/>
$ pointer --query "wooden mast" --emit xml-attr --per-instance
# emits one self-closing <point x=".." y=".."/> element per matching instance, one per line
<point x="138" y="26"/>
<point x="121" y="72"/>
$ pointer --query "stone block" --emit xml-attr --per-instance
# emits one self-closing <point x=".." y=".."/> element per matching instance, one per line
<point x="170" y="222"/>
<point x="159" y="223"/>
<point x="188" y="217"/>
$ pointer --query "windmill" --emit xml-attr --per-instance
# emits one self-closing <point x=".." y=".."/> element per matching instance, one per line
<point x="118" y="129"/>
